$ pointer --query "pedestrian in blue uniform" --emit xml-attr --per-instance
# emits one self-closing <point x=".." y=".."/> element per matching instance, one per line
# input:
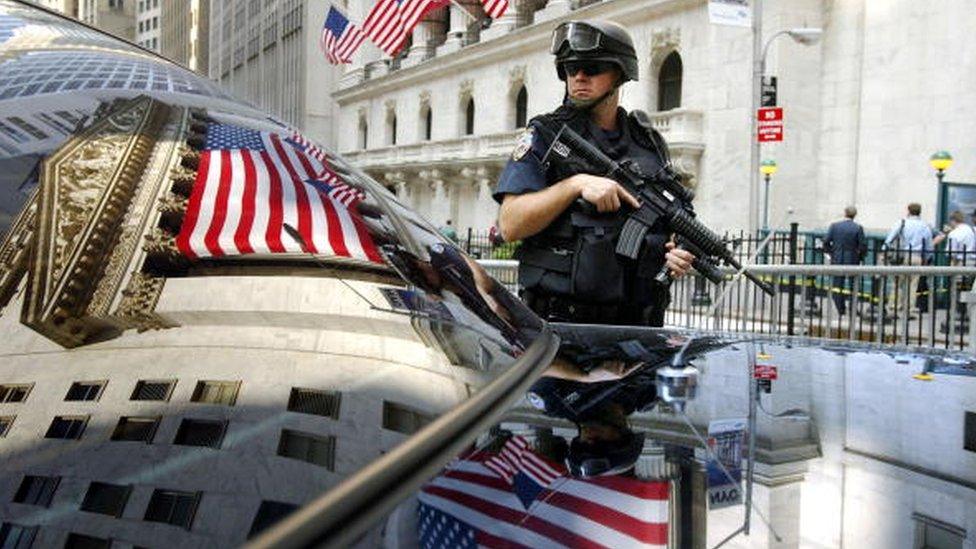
<point x="569" y="220"/>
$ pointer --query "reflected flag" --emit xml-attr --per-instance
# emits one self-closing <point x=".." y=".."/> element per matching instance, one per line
<point x="340" y="39"/>
<point x="535" y="503"/>
<point x="250" y="183"/>
<point x="495" y="8"/>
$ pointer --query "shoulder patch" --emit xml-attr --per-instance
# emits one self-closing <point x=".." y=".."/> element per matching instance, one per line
<point x="523" y="144"/>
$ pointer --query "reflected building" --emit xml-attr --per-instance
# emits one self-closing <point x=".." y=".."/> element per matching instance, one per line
<point x="843" y="456"/>
<point x="185" y="34"/>
<point x="267" y="53"/>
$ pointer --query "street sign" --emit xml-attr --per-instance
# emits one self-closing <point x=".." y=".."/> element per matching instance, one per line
<point x="770" y="124"/>
<point x="764" y="371"/>
<point x="770" y="133"/>
<point x="769" y="91"/>
<point x="770" y="114"/>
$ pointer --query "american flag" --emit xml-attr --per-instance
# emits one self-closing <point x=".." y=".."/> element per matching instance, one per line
<point x="471" y="505"/>
<point x="390" y="22"/>
<point x="495" y="8"/>
<point x="340" y="38"/>
<point x="251" y="183"/>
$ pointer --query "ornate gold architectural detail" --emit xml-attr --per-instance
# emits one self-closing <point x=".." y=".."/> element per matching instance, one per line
<point x="139" y="300"/>
<point x="15" y="251"/>
<point x="172" y="204"/>
<point x="83" y="244"/>
<point x="162" y="243"/>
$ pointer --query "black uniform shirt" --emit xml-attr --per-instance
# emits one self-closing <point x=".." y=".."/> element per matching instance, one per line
<point x="525" y="171"/>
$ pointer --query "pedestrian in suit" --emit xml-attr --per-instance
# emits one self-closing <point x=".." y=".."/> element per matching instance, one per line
<point x="846" y="245"/>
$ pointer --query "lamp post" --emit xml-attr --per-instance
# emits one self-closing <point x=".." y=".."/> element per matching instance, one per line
<point x="768" y="169"/>
<point x="940" y="162"/>
<point x="802" y="35"/>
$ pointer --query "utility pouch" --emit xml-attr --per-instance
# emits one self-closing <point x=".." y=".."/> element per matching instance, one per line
<point x="545" y="271"/>
<point x="597" y="272"/>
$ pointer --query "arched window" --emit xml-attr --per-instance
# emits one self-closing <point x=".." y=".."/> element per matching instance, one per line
<point x="521" y="107"/>
<point x="426" y="120"/>
<point x="469" y="117"/>
<point x="669" y="83"/>
<point x="391" y="127"/>
<point x="363" y="133"/>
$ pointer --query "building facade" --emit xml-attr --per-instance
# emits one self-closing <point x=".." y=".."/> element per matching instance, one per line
<point x="266" y="52"/>
<point x="864" y="108"/>
<point x="185" y="34"/>
<point x="148" y="31"/>
<point x="117" y="17"/>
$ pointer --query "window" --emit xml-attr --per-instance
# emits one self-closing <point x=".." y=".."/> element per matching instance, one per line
<point x="316" y="449"/>
<point x="81" y="541"/>
<point x="172" y="507"/>
<point x="268" y="514"/>
<point x="425" y="125"/>
<point x="201" y="432"/>
<point x="469" y="117"/>
<point x="36" y="490"/>
<point x="70" y="427"/>
<point x="15" y="393"/>
<point x="932" y="533"/>
<point x="669" y="83"/>
<point x="216" y="392"/>
<point x="153" y="390"/>
<point x="5" y="423"/>
<point x="85" y="390"/>
<point x="15" y="536"/>
<point x="312" y="401"/>
<point x="521" y="107"/>
<point x="363" y="133"/>
<point x="106" y="499"/>
<point x="391" y="128"/>
<point x="399" y="418"/>
<point x="138" y="429"/>
<point x="968" y="437"/>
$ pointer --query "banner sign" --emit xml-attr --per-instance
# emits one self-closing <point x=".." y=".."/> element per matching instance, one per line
<point x="736" y="13"/>
<point x="725" y="437"/>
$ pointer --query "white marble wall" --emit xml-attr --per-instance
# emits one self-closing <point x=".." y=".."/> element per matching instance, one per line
<point x="887" y="86"/>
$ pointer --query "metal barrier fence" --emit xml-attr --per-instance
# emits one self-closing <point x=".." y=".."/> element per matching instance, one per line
<point x="791" y="246"/>
<point x="909" y="305"/>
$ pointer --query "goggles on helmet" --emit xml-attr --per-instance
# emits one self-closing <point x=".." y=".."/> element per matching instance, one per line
<point x="578" y="36"/>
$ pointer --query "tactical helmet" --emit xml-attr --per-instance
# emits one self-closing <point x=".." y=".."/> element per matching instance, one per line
<point x="594" y="41"/>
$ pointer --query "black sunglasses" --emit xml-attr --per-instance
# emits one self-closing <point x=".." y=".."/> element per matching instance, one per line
<point x="589" y="68"/>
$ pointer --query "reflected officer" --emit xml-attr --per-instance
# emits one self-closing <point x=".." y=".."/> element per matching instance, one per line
<point x="568" y="268"/>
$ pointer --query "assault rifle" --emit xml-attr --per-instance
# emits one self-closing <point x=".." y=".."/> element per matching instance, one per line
<point x="661" y="196"/>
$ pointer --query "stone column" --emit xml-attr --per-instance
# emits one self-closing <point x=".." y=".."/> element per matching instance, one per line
<point x="553" y="9"/>
<point x="485" y="209"/>
<point x="507" y="22"/>
<point x="439" y="203"/>
<point x="421" y="49"/>
<point x="455" y="33"/>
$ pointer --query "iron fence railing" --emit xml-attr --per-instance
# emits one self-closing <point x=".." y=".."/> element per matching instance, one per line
<point x="906" y="305"/>
<point x="792" y="246"/>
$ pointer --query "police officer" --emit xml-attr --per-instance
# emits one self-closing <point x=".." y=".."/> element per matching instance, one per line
<point x="569" y="220"/>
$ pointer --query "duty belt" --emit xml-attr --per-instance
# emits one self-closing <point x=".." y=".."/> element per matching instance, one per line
<point x="558" y="309"/>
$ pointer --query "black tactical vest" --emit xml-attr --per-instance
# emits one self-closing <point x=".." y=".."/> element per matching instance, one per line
<point x="574" y="258"/>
